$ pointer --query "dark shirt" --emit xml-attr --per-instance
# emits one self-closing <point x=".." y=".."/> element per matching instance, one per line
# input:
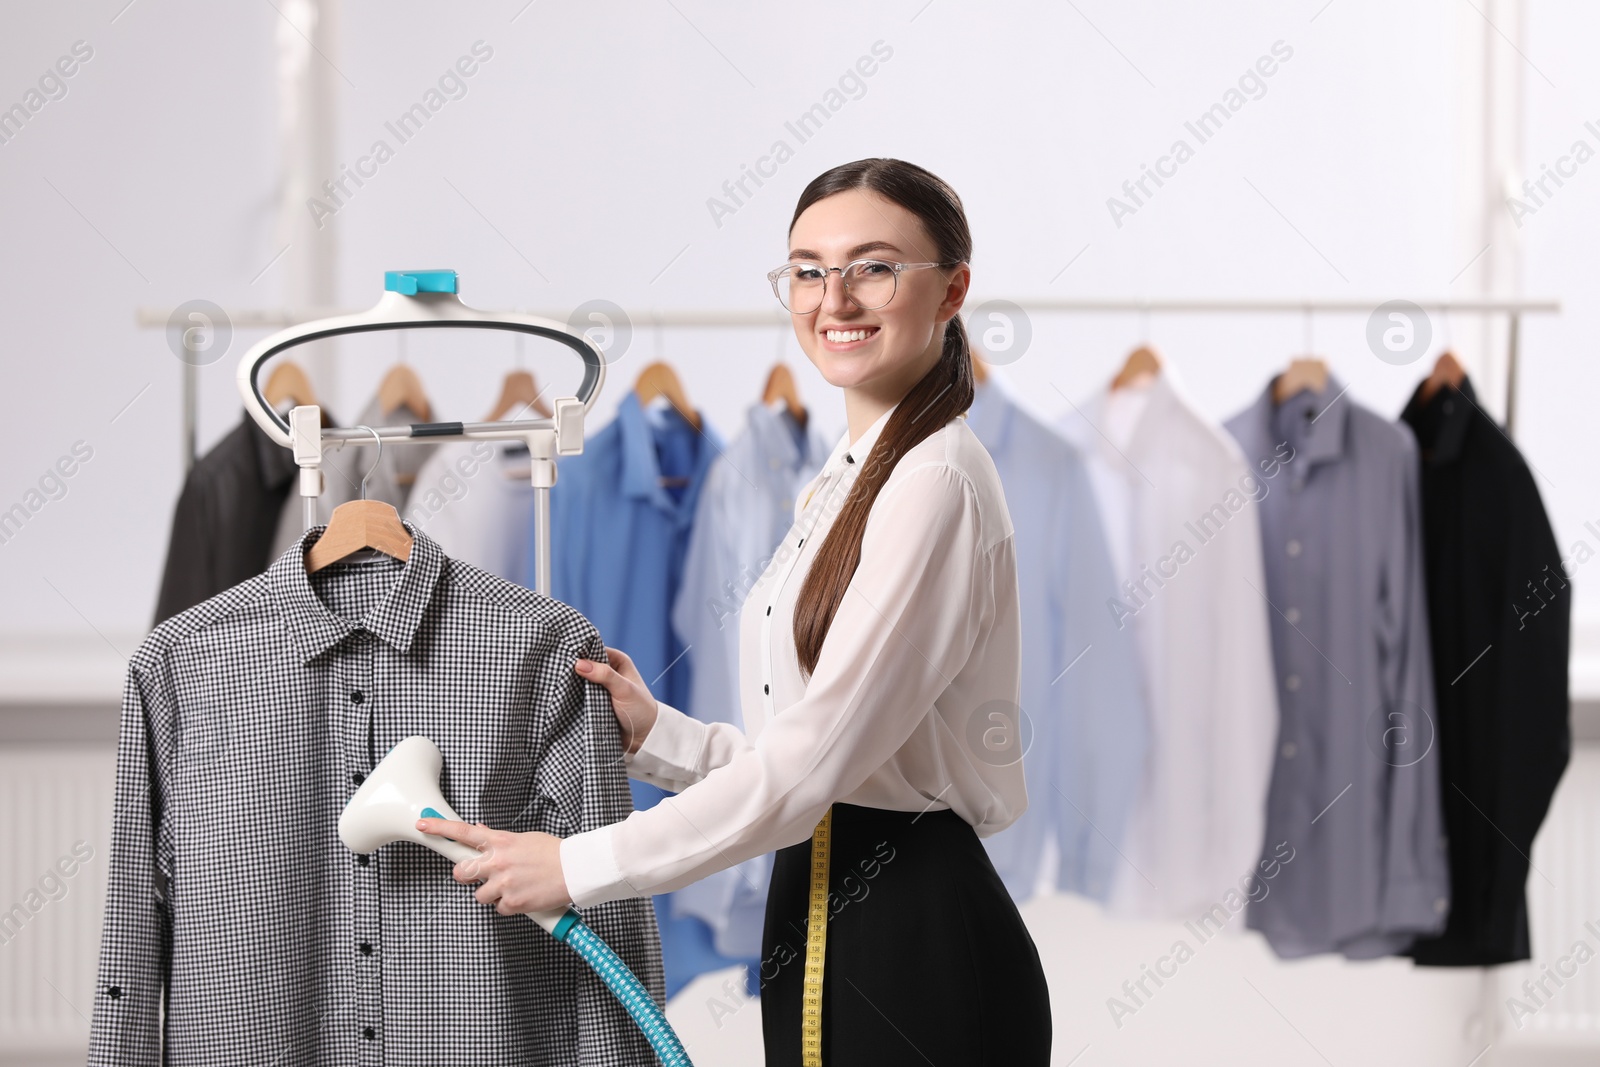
<point x="223" y="525"/>
<point x="1499" y="607"/>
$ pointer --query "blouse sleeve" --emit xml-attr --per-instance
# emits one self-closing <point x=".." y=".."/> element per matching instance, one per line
<point x="680" y="750"/>
<point x="921" y="594"/>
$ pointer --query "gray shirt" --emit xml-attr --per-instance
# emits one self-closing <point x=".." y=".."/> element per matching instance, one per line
<point x="1354" y="798"/>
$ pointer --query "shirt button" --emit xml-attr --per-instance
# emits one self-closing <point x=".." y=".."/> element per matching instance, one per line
<point x="1292" y="682"/>
<point x="1293" y="615"/>
<point x="802" y="543"/>
<point x="1293" y="548"/>
<point x="766" y="688"/>
<point x="115" y="992"/>
<point x="848" y="458"/>
<point x="366" y="948"/>
<point x="1288" y="750"/>
<point x="369" y="1033"/>
<point x="358" y="778"/>
<point x="357" y="697"/>
<point x="769" y="609"/>
<point x="363" y="859"/>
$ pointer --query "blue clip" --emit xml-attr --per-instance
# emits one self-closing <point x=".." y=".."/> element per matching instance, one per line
<point x="412" y="282"/>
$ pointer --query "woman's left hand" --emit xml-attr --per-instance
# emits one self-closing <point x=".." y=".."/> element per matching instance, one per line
<point x="521" y="873"/>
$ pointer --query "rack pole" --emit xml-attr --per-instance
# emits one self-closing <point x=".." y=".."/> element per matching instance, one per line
<point x="1512" y="345"/>
<point x="191" y="407"/>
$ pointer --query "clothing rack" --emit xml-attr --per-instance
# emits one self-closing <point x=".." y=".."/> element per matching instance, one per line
<point x="1513" y="308"/>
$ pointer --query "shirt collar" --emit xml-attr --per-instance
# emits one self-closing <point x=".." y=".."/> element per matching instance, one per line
<point x="774" y="430"/>
<point x="850" y="453"/>
<point x="274" y="462"/>
<point x="1163" y="392"/>
<point x="642" y="464"/>
<point x="1440" y="423"/>
<point x="1322" y="418"/>
<point x="314" y="629"/>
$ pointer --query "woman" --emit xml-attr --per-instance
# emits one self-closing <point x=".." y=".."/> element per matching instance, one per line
<point x="880" y="672"/>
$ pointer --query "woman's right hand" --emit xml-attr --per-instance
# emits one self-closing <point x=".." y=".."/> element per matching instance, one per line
<point x="630" y="697"/>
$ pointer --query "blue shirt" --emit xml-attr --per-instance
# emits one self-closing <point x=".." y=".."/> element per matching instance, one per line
<point x="1084" y="720"/>
<point x="618" y="538"/>
<point x="1355" y="789"/>
<point x="746" y="506"/>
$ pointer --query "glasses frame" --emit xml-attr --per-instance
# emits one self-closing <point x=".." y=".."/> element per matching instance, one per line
<point x="898" y="268"/>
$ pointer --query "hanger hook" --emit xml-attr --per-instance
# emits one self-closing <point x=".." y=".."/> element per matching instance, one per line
<point x="373" y="469"/>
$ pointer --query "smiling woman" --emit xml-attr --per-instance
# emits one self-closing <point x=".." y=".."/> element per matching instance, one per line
<point x="873" y="652"/>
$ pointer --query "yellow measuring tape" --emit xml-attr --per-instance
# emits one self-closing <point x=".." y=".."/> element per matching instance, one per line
<point x="816" y="947"/>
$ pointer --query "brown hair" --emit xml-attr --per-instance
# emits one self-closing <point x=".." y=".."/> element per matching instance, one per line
<point x="940" y="395"/>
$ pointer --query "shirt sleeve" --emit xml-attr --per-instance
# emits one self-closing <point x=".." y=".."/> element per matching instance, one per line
<point x="1416" y="880"/>
<point x="136" y="928"/>
<point x="910" y="616"/>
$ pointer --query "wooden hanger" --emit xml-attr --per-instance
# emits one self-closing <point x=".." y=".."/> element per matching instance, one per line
<point x="1142" y="362"/>
<point x="518" y="393"/>
<point x="360" y="524"/>
<point x="288" y="384"/>
<point x="1447" y="371"/>
<point x="780" y="386"/>
<point x="980" y="373"/>
<point x="401" y="387"/>
<point x="659" y="379"/>
<point x="1308" y="373"/>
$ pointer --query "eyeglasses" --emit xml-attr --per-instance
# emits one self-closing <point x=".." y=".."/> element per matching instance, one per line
<point x="869" y="283"/>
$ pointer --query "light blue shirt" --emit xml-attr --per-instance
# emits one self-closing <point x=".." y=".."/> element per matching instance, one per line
<point x="746" y="507"/>
<point x="1081" y="683"/>
<point x="1355" y="789"/>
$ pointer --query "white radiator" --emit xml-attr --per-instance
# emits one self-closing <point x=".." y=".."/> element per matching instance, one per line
<point x="56" y="802"/>
<point x="1556" y="1019"/>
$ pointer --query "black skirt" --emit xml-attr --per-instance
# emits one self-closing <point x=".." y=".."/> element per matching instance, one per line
<point x="927" y="960"/>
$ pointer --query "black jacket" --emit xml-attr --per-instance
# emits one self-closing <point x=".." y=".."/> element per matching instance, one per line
<point x="1499" y="608"/>
<point x="223" y="525"/>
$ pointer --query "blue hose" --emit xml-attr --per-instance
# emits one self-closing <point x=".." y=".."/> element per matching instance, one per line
<point x="628" y="989"/>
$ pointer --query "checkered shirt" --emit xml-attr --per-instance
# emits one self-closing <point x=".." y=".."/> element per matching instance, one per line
<point x="248" y="721"/>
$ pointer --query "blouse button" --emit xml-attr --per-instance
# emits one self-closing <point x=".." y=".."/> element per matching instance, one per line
<point x="766" y="688"/>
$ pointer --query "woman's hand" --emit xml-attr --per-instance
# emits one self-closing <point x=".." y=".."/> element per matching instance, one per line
<point x="630" y="697"/>
<point x="520" y="873"/>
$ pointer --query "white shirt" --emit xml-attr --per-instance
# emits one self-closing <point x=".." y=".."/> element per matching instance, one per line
<point x="471" y="497"/>
<point x="1177" y="496"/>
<point x="905" y="711"/>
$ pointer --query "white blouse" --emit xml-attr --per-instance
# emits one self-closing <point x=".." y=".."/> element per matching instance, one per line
<point x="913" y="705"/>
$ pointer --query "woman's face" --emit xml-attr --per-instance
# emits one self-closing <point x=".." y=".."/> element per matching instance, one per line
<point x="904" y="337"/>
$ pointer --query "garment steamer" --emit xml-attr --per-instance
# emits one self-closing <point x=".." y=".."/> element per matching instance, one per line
<point x="404" y="787"/>
<point x="405" y="784"/>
